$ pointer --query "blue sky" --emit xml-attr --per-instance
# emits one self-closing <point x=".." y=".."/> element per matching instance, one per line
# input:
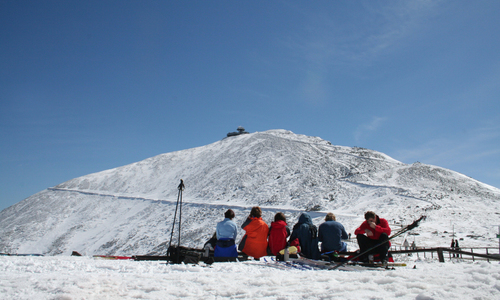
<point x="87" y="86"/>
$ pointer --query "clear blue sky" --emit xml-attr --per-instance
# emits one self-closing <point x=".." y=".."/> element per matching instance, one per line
<point x="87" y="86"/>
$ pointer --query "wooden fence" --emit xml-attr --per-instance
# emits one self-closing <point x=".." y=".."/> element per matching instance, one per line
<point x="484" y="253"/>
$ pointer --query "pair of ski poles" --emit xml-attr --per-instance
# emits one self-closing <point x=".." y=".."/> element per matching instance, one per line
<point x="407" y="228"/>
<point x="180" y="187"/>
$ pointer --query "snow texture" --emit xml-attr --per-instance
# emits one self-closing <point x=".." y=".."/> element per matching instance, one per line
<point x="129" y="210"/>
<point x="68" y="278"/>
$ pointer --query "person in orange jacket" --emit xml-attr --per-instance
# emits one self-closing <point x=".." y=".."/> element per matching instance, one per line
<point x="254" y="242"/>
<point x="372" y="232"/>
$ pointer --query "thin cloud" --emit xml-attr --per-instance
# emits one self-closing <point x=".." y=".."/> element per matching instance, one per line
<point x="469" y="147"/>
<point x="327" y="45"/>
<point x="364" y="130"/>
<point x="382" y="28"/>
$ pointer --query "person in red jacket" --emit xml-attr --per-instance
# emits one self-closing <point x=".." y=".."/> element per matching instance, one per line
<point x="278" y="233"/>
<point x="372" y="232"/>
<point x="254" y="242"/>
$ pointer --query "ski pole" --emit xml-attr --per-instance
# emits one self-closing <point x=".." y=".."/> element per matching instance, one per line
<point x="407" y="228"/>
<point x="180" y="188"/>
<point x="175" y="216"/>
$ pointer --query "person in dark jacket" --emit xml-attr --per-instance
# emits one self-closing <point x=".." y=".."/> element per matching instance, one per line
<point x="452" y="246"/>
<point x="455" y="246"/>
<point x="278" y="233"/>
<point x="372" y="232"/>
<point x="307" y="233"/>
<point x="331" y="233"/>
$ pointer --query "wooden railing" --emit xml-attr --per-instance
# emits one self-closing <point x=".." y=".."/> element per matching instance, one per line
<point x="484" y="253"/>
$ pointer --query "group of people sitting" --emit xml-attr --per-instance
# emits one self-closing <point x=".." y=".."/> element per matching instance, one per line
<point x="262" y="240"/>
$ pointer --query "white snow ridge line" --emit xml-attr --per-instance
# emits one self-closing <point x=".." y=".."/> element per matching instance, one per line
<point x="313" y="214"/>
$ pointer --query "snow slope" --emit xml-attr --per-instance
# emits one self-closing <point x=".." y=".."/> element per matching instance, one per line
<point x="129" y="210"/>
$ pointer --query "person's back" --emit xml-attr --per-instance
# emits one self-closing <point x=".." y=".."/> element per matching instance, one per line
<point x="254" y="243"/>
<point x="278" y="234"/>
<point x="226" y="229"/>
<point x="307" y="234"/>
<point x="331" y="234"/>
<point x="226" y="232"/>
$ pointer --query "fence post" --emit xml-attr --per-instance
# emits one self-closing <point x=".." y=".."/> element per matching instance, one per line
<point x="440" y="255"/>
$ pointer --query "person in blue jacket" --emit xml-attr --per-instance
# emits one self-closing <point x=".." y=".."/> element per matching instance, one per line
<point x="331" y="233"/>
<point x="226" y="233"/>
<point x="307" y="233"/>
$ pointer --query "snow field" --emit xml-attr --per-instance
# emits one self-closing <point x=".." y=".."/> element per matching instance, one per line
<point x="69" y="278"/>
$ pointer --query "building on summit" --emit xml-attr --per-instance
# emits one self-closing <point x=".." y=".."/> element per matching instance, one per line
<point x="240" y="129"/>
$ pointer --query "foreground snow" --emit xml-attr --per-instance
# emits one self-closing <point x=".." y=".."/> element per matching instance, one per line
<point x="63" y="277"/>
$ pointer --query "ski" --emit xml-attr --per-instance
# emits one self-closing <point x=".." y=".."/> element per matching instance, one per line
<point x="112" y="257"/>
<point x="351" y="266"/>
<point x="16" y="254"/>
<point x="378" y="265"/>
<point x="284" y="265"/>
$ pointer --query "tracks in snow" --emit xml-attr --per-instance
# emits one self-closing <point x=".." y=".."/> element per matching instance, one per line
<point x="314" y="214"/>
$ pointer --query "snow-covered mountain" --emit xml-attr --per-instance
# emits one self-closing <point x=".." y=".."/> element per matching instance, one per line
<point x="129" y="210"/>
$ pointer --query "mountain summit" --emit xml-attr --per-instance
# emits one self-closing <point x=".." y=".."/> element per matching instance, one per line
<point x="129" y="210"/>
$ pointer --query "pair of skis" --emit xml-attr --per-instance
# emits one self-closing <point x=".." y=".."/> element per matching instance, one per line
<point x="306" y="264"/>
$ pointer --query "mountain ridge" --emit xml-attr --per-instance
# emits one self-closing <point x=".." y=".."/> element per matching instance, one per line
<point x="129" y="209"/>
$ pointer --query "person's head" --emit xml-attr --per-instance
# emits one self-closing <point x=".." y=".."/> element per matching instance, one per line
<point x="256" y="212"/>
<point x="279" y="217"/>
<point x="229" y="214"/>
<point x="330" y="217"/>
<point x="370" y="216"/>
<point x="305" y="218"/>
